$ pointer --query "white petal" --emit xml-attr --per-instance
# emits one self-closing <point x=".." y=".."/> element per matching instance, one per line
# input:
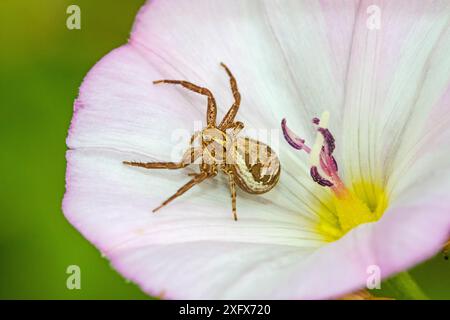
<point x="396" y="76"/>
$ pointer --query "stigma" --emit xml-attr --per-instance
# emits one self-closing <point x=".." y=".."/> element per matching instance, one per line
<point x="323" y="165"/>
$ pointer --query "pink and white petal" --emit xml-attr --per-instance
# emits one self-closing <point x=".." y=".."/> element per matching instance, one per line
<point x="265" y="254"/>
<point x="396" y="74"/>
<point x="209" y="269"/>
<point x="411" y="231"/>
<point x="119" y="108"/>
<point x="111" y="205"/>
<point x="429" y="129"/>
<point x="314" y="38"/>
<point x="288" y="59"/>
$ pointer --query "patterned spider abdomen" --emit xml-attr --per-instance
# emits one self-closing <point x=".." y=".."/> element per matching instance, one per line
<point x="256" y="167"/>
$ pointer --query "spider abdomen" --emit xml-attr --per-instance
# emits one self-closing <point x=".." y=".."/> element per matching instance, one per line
<point x="256" y="166"/>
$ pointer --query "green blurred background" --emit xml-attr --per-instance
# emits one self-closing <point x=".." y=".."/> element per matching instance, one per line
<point x="42" y="64"/>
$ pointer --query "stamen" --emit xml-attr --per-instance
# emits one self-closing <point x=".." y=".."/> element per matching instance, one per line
<point x="321" y="155"/>
<point x="317" y="148"/>
<point x="324" y="164"/>
<point x="295" y="141"/>
<point x="329" y="142"/>
<point x="335" y="165"/>
<point x="319" y="179"/>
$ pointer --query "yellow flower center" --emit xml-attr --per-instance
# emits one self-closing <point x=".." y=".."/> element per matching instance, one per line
<point x="339" y="213"/>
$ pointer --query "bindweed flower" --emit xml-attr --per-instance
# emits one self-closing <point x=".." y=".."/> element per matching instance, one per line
<point x="373" y="191"/>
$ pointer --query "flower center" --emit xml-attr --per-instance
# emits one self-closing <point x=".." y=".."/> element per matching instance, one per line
<point x="345" y="207"/>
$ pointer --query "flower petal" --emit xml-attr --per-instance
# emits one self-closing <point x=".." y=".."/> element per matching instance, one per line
<point x="194" y="238"/>
<point x="263" y="255"/>
<point x="209" y="270"/>
<point x="396" y="75"/>
<point x="284" y="53"/>
<point x="272" y="249"/>
<point x="111" y="206"/>
<point x="119" y="108"/>
<point x="411" y="231"/>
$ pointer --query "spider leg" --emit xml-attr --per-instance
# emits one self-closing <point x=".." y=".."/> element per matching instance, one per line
<point x="194" y="137"/>
<point x="231" y="114"/>
<point x="195" y="180"/>
<point x="156" y="165"/>
<point x="189" y="157"/>
<point x="233" y="193"/>
<point x="236" y="127"/>
<point x="211" y="112"/>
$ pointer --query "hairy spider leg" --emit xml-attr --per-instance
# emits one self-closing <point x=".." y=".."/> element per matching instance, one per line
<point x="194" y="181"/>
<point x="231" y="114"/>
<point x="236" y="127"/>
<point x="232" y="184"/>
<point x="211" y="112"/>
<point x="189" y="157"/>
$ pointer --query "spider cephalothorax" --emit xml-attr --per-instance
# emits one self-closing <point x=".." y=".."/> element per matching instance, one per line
<point x="250" y="164"/>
